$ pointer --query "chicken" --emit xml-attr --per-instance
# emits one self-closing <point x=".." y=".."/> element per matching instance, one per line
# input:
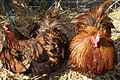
<point x="42" y="53"/>
<point x="15" y="54"/>
<point x="53" y="41"/>
<point x="91" y="49"/>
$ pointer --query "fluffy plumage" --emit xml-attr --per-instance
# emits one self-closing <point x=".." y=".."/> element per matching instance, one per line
<point x="53" y="41"/>
<point x="43" y="53"/>
<point x="91" y="49"/>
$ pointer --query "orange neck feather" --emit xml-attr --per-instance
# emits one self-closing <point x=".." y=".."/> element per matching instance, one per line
<point x="11" y="38"/>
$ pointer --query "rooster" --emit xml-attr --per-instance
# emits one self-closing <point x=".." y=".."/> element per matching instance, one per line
<point x="92" y="49"/>
<point x="42" y="53"/>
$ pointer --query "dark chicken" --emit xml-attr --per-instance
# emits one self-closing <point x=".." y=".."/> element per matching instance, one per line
<point x="43" y="53"/>
<point x="91" y="49"/>
<point x="52" y="41"/>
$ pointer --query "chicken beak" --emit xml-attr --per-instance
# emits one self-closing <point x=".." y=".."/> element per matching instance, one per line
<point x="95" y="39"/>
